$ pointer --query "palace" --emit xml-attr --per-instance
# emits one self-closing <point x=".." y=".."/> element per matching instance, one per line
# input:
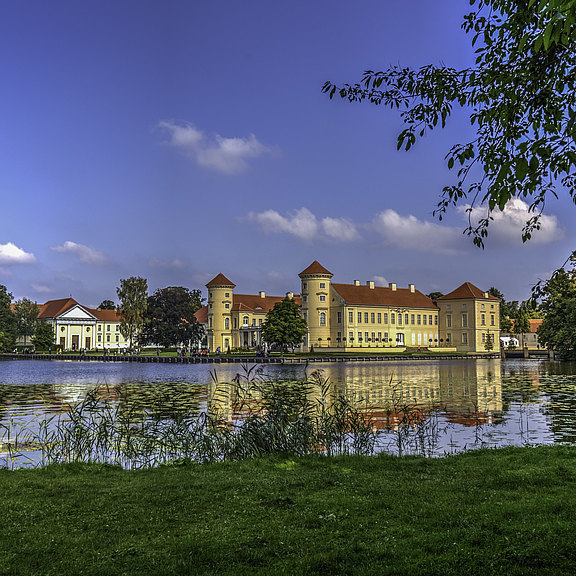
<point x="348" y="317"/>
<point x="76" y="326"/>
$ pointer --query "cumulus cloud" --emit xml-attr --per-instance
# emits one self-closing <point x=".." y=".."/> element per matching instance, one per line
<point x="227" y="155"/>
<point x="11" y="254"/>
<point x="410" y="233"/>
<point x="506" y="225"/>
<point x="380" y="281"/>
<point x="305" y="225"/>
<point x="42" y="289"/>
<point x="84" y="253"/>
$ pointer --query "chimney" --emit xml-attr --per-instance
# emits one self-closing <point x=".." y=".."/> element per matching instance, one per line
<point x="392" y="286"/>
<point x="290" y="295"/>
<point x="486" y="295"/>
<point x="411" y="286"/>
<point x="262" y="294"/>
<point x="370" y="284"/>
<point x="356" y="282"/>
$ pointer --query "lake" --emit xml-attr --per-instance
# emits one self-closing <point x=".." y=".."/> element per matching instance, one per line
<point x="474" y="403"/>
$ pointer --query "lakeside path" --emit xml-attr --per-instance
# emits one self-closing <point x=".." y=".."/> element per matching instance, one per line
<point x="247" y="359"/>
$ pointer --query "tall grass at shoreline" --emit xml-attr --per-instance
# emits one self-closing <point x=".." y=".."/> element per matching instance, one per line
<point x="253" y="416"/>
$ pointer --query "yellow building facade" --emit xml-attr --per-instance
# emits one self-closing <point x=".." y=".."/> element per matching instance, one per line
<point x="348" y="317"/>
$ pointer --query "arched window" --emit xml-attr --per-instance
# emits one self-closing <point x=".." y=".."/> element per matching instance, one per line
<point x="227" y="323"/>
<point x="322" y="318"/>
<point x="245" y="321"/>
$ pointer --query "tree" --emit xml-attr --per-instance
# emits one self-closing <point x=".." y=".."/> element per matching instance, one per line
<point x="557" y="297"/>
<point x="435" y="295"/>
<point x="7" y="321"/>
<point x="107" y="305"/>
<point x="284" y="325"/>
<point x="170" y="319"/>
<point x="522" y="324"/>
<point x="44" y="337"/>
<point x="521" y="98"/>
<point x="132" y="293"/>
<point x="26" y="313"/>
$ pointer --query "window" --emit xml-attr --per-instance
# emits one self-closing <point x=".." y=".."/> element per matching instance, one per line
<point x="379" y="317"/>
<point x="379" y="336"/>
<point x="483" y="335"/>
<point x="449" y="320"/>
<point x="226" y="294"/>
<point x="305" y="298"/>
<point x="108" y="328"/>
<point x="117" y="338"/>
<point x="305" y="316"/>
<point x="322" y="298"/>
<point x="107" y="337"/>
<point x="372" y="317"/>
<point x="304" y="285"/>
<point x="259" y="321"/>
<point x="392" y="318"/>
<point x="99" y="337"/>
<point x="253" y="321"/>
<point x="322" y="318"/>
<point x="491" y="319"/>
<point x="226" y="323"/>
<point x="406" y="316"/>
<point x="373" y="336"/>
<point x="463" y="305"/>
<point x="385" y="317"/>
<point x="483" y="319"/>
<point x="385" y="336"/>
<point x="350" y="317"/>
<point x="227" y="306"/>
<point x="210" y="322"/>
<point x="424" y="319"/>
<point x="399" y="318"/>
<point x="435" y="320"/>
<point x="448" y="337"/>
<point x="464" y="337"/>
<point x="365" y="317"/>
<point x="359" y="317"/>
<point x="366" y="337"/>
<point x="339" y="317"/>
<point x="482" y="306"/>
<point x="235" y="323"/>
<point x="430" y="319"/>
<point x="464" y="320"/>
<point x="351" y="336"/>
<point x="412" y="318"/>
<point x="245" y="321"/>
<point x="419" y="319"/>
<point x="322" y="285"/>
<point x="99" y="327"/>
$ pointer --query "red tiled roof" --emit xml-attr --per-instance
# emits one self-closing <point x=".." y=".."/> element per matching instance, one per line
<point x="255" y="303"/>
<point x="202" y="315"/>
<point x="105" y="315"/>
<point x="465" y="292"/>
<point x="535" y="323"/>
<point x="220" y="280"/>
<point x="380" y="296"/>
<point x="315" y="268"/>
<point x="54" y="308"/>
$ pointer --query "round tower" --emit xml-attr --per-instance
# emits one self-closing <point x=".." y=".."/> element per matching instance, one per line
<point x="220" y="299"/>
<point x="316" y="304"/>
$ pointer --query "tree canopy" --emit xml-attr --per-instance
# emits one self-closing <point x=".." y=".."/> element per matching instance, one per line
<point x="557" y="298"/>
<point x="7" y="321"/>
<point x="170" y="319"/>
<point x="133" y="294"/>
<point x="521" y="99"/>
<point x="44" y="337"/>
<point x="284" y="325"/>
<point x="107" y="305"/>
<point x="26" y="313"/>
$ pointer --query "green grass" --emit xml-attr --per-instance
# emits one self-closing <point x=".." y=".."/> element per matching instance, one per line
<point x="510" y="511"/>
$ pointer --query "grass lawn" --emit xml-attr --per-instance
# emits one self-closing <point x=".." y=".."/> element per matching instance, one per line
<point x="510" y="511"/>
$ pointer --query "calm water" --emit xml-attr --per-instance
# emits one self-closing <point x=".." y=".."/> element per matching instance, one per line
<point x="475" y="402"/>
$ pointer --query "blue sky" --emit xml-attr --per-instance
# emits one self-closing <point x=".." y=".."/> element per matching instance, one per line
<point x="174" y="140"/>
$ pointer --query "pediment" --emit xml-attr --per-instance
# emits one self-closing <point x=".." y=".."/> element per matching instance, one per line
<point x="77" y="313"/>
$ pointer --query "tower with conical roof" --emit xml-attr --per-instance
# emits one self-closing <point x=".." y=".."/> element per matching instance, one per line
<point x="220" y="299"/>
<point x="316" y="304"/>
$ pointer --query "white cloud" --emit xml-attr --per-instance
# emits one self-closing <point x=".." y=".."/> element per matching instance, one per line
<point x="159" y="263"/>
<point x="410" y="233"/>
<point x="85" y="253"/>
<point x="340" y="229"/>
<point x="380" y="280"/>
<point x="227" y="155"/>
<point x="11" y="254"/>
<point x="506" y="225"/>
<point x="304" y="225"/>
<point x="42" y="289"/>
